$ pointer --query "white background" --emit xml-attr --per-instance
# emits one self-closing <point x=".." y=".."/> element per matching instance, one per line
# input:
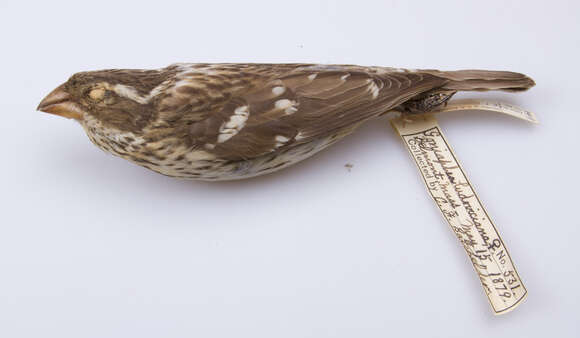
<point x="93" y="246"/>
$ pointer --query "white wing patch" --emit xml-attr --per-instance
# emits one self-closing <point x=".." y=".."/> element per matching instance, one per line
<point x="299" y="136"/>
<point x="278" y="90"/>
<point x="373" y="88"/>
<point x="288" y="106"/>
<point x="233" y="126"/>
<point x="281" y="140"/>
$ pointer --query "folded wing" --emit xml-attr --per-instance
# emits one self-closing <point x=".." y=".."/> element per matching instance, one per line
<point x="303" y="104"/>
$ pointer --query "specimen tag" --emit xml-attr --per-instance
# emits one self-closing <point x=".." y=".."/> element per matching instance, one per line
<point x="454" y="195"/>
<point x="504" y="108"/>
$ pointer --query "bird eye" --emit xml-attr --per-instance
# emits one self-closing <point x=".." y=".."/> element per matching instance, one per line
<point x="97" y="94"/>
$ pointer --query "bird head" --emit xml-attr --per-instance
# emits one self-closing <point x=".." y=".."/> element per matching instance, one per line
<point x="120" y="100"/>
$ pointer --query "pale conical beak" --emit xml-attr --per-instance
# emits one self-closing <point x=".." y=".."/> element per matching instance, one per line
<point x="58" y="102"/>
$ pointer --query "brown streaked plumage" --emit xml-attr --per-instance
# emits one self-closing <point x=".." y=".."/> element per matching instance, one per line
<point x="232" y="121"/>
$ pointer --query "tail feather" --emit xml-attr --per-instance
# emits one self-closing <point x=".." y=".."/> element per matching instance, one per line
<point x="483" y="80"/>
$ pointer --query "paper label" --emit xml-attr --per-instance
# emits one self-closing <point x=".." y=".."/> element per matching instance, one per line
<point x="499" y="107"/>
<point x="454" y="195"/>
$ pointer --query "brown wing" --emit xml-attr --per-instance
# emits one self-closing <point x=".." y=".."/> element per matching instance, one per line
<point x="303" y="104"/>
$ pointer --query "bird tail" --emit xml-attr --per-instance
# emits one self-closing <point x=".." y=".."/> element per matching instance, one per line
<point x="483" y="80"/>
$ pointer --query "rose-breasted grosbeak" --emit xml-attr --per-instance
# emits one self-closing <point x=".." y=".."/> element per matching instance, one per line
<point x="232" y="121"/>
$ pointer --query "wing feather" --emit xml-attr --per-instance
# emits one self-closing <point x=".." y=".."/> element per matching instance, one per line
<point x="304" y="104"/>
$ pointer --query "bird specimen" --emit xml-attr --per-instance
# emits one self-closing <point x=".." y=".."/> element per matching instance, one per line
<point x="233" y="121"/>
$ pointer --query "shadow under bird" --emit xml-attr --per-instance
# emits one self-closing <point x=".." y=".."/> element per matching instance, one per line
<point x="233" y="121"/>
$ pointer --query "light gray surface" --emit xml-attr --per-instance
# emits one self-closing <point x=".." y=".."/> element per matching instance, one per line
<point x="93" y="246"/>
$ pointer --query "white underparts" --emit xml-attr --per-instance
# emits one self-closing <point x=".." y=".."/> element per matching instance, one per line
<point x="233" y="126"/>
